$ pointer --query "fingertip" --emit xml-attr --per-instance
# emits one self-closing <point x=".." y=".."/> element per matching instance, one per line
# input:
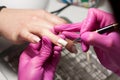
<point x="61" y="36"/>
<point x="54" y="19"/>
<point x="58" y="20"/>
<point x="36" y="46"/>
<point x="62" y="42"/>
<point x="36" y="39"/>
<point x="27" y="36"/>
<point x="56" y="39"/>
<point x="58" y="48"/>
<point x="84" y="47"/>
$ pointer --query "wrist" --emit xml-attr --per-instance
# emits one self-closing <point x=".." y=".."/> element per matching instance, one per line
<point x="1" y="8"/>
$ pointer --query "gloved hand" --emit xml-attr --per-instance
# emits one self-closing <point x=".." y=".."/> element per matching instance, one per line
<point x="70" y="31"/>
<point x="38" y="61"/>
<point x="105" y="45"/>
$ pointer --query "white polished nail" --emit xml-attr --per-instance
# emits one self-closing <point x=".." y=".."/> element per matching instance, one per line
<point x="36" y="39"/>
<point x="62" y="42"/>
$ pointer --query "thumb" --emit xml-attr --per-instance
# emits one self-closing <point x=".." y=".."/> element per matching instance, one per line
<point x="56" y="55"/>
<point x="45" y="50"/>
<point x="95" y="39"/>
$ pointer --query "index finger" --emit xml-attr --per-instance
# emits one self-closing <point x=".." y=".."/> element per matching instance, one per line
<point x="52" y="18"/>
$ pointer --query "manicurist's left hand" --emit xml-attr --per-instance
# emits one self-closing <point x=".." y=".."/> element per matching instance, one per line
<point x="38" y="61"/>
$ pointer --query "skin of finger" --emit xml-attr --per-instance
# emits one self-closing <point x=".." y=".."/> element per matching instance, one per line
<point x="50" y="17"/>
<point x="54" y="19"/>
<point x="37" y="28"/>
<point x="54" y="38"/>
<point x="46" y="32"/>
<point x="40" y="23"/>
<point x="44" y="29"/>
<point x="17" y="26"/>
<point x="29" y="37"/>
<point x="32" y="13"/>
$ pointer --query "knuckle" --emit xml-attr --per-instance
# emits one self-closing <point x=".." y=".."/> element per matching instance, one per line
<point x="29" y="37"/>
<point x="90" y="38"/>
<point x="110" y="43"/>
<point x="43" y="32"/>
<point x="24" y="34"/>
<point x="41" y="13"/>
<point x="21" y="33"/>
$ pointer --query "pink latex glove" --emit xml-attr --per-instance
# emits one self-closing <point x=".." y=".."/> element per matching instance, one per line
<point x="70" y="31"/>
<point x="105" y="45"/>
<point x="38" y="61"/>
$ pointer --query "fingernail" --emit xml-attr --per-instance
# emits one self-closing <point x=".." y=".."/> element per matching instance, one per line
<point x="74" y="49"/>
<point x="62" y="42"/>
<point x="36" y="39"/>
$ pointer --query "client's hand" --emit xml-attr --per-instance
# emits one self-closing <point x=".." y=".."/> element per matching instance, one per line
<point x="21" y="25"/>
<point x="38" y="61"/>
